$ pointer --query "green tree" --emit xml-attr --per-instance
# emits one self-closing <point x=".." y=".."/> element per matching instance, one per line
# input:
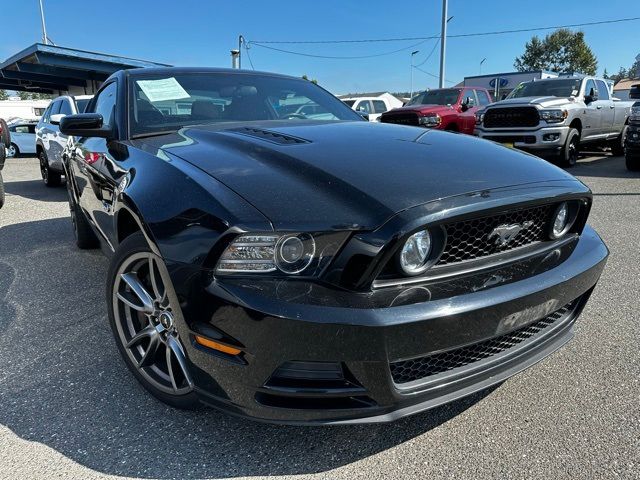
<point x="24" y="95"/>
<point x="307" y="78"/>
<point x="4" y="95"/>
<point x="560" y="51"/>
<point x="634" y="71"/>
<point x="605" y="74"/>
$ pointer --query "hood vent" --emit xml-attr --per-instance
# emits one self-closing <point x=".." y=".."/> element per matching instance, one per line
<point x="269" y="136"/>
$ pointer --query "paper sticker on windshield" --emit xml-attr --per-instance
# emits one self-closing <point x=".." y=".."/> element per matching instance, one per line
<point x="163" y="89"/>
<point x="574" y="93"/>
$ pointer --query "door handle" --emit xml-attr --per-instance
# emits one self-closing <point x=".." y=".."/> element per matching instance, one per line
<point x="599" y="107"/>
<point x="612" y="106"/>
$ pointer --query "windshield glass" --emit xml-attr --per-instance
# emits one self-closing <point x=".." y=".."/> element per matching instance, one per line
<point x="547" y="88"/>
<point x="81" y="104"/>
<point x="447" y="96"/>
<point x="170" y="102"/>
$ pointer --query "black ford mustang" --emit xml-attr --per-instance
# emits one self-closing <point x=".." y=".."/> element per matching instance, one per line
<point x="277" y="257"/>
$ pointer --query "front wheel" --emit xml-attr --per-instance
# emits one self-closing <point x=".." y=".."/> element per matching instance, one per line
<point x="142" y="319"/>
<point x="13" y="151"/>
<point x="50" y="177"/>
<point x="617" y="146"/>
<point x="569" y="155"/>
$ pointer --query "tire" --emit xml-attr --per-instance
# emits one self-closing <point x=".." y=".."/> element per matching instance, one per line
<point x="1" y="191"/>
<point x="50" y="177"/>
<point x="569" y="155"/>
<point x="5" y="135"/>
<point x="136" y="332"/>
<point x="617" y="146"/>
<point x="85" y="237"/>
<point x="13" y="151"/>
<point x="632" y="162"/>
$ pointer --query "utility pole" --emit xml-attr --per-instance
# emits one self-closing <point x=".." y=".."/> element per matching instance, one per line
<point x="45" y="39"/>
<point x="443" y="42"/>
<point x="235" y="59"/>
<point x="240" y="42"/>
<point x="411" y="93"/>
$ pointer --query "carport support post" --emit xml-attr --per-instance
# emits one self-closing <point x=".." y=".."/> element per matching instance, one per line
<point x="45" y="39"/>
<point x="443" y="42"/>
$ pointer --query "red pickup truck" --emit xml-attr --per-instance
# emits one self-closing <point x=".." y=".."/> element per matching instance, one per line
<point x="451" y="109"/>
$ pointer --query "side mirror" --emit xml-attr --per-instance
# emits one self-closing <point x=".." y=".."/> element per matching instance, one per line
<point x="84" y="125"/>
<point x="55" y="119"/>
<point x="364" y="115"/>
<point x="591" y="97"/>
<point x="465" y="106"/>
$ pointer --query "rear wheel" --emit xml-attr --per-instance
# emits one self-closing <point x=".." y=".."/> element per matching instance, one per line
<point x="50" y="177"/>
<point x="617" y="146"/>
<point x="5" y="135"/>
<point x="569" y="155"/>
<point x="142" y="319"/>
<point x="1" y="189"/>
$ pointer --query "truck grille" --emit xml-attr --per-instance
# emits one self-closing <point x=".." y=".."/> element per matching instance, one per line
<point x="401" y="119"/>
<point x="406" y="371"/>
<point x="511" y="117"/>
<point x="473" y="238"/>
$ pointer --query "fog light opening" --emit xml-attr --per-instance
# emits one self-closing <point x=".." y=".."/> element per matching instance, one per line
<point x="550" y="137"/>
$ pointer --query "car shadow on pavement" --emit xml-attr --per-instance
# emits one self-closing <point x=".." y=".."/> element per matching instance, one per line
<point x="35" y="190"/>
<point x="601" y="165"/>
<point x="64" y="385"/>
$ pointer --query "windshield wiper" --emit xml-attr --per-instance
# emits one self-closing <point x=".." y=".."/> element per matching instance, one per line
<point x="152" y="134"/>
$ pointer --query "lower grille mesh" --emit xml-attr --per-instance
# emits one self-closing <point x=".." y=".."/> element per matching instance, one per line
<point x="418" y="368"/>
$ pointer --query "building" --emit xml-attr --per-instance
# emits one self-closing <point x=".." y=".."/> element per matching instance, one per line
<point x="501" y="84"/>
<point x="622" y="88"/>
<point x="24" y="109"/>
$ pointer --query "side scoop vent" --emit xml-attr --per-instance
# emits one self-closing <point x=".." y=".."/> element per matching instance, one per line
<point x="269" y="136"/>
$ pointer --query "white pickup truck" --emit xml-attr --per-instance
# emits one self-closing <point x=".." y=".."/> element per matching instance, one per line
<point x="555" y="117"/>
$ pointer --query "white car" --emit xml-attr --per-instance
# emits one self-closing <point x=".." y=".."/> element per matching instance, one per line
<point x="23" y="138"/>
<point x="372" y="106"/>
<point x="50" y="142"/>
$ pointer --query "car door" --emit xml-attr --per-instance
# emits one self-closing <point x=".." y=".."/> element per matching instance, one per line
<point x="22" y="138"/>
<point x="47" y="132"/>
<point x="93" y="166"/>
<point x="592" y="124"/>
<point x="59" y="140"/>
<point x="468" y="116"/>
<point x="379" y="107"/>
<point x="606" y="105"/>
<point x="364" y="106"/>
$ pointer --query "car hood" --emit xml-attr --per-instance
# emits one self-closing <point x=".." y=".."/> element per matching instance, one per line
<point x="346" y="175"/>
<point x="421" y="109"/>
<point x="544" y="102"/>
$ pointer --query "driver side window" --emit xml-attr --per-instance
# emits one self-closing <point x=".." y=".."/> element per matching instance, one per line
<point x="363" y="106"/>
<point x="105" y="104"/>
<point x="590" y="88"/>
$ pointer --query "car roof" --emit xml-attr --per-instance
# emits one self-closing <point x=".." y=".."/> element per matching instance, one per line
<point x="135" y="72"/>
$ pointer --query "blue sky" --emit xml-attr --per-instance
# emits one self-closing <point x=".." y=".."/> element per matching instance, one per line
<point x="201" y="33"/>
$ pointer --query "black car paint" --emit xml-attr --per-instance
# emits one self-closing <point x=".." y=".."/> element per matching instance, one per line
<point x="192" y="191"/>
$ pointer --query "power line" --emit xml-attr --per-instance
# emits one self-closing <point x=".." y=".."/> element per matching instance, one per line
<point x="350" y="57"/>
<point x="460" y="35"/>
<point x="435" y="45"/>
<point x="431" y="74"/>
<point x="246" y="49"/>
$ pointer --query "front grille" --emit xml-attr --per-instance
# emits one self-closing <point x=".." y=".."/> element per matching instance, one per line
<point x="474" y="238"/>
<point x="401" y="119"/>
<point x="511" y="138"/>
<point x="406" y="371"/>
<point x="511" y="117"/>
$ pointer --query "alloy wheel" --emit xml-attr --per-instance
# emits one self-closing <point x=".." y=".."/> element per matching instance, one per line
<point x="44" y="170"/>
<point x="144" y="320"/>
<point x="573" y="151"/>
<point x="11" y="151"/>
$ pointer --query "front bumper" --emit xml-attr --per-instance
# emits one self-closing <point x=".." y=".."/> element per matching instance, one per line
<point x="279" y="321"/>
<point x="546" y="139"/>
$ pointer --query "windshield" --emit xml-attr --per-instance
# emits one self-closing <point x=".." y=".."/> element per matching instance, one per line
<point x="447" y="96"/>
<point x="81" y="104"/>
<point x="547" y="88"/>
<point x="349" y="102"/>
<point x="170" y="102"/>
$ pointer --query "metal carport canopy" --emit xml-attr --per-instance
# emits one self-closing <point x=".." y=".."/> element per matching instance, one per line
<point x="51" y="69"/>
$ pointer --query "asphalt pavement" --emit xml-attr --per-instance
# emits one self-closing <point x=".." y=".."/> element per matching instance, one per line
<point x="69" y="408"/>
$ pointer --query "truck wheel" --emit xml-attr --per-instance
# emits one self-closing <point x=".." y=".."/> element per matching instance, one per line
<point x="5" y="135"/>
<point x="569" y="155"/>
<point x="1" y="190"/>
<point x="617" y="146"/>
<point x="632" y="162"/>
<point x="50" y="177"/>
<point x="13" y="151"/>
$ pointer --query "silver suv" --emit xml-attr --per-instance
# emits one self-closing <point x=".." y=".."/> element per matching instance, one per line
<point x="50" y="142"/>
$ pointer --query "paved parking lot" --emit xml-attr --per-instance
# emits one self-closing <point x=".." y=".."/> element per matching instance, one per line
<point x="70" y="409"/>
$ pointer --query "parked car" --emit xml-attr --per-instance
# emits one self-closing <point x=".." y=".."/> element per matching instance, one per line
<point x="555" y="117"/>
<point x="632" y="151"/>
<point x="50" y="142"/>
<point x="373" y="107"/>
<point x="451" y="109"/>
<point x="313" y="271"/>
<point x="23" y="138"/>
<point x="5" y="139"/>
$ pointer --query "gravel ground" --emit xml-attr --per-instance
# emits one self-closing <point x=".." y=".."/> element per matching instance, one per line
<point x="70" y="409"/>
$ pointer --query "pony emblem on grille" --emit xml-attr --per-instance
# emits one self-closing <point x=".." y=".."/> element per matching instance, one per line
<point x="504" y="234"/>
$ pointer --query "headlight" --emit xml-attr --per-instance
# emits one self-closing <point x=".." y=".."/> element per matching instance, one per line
<point x="635" y="114"/>
<point x="479" y="118"/>
<point x="289" y="253"/>
<point x="553" y="116"/>
<point x="415" y="253"/>
<point x="562" y="220"/>
<point x="430" y="120"/>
